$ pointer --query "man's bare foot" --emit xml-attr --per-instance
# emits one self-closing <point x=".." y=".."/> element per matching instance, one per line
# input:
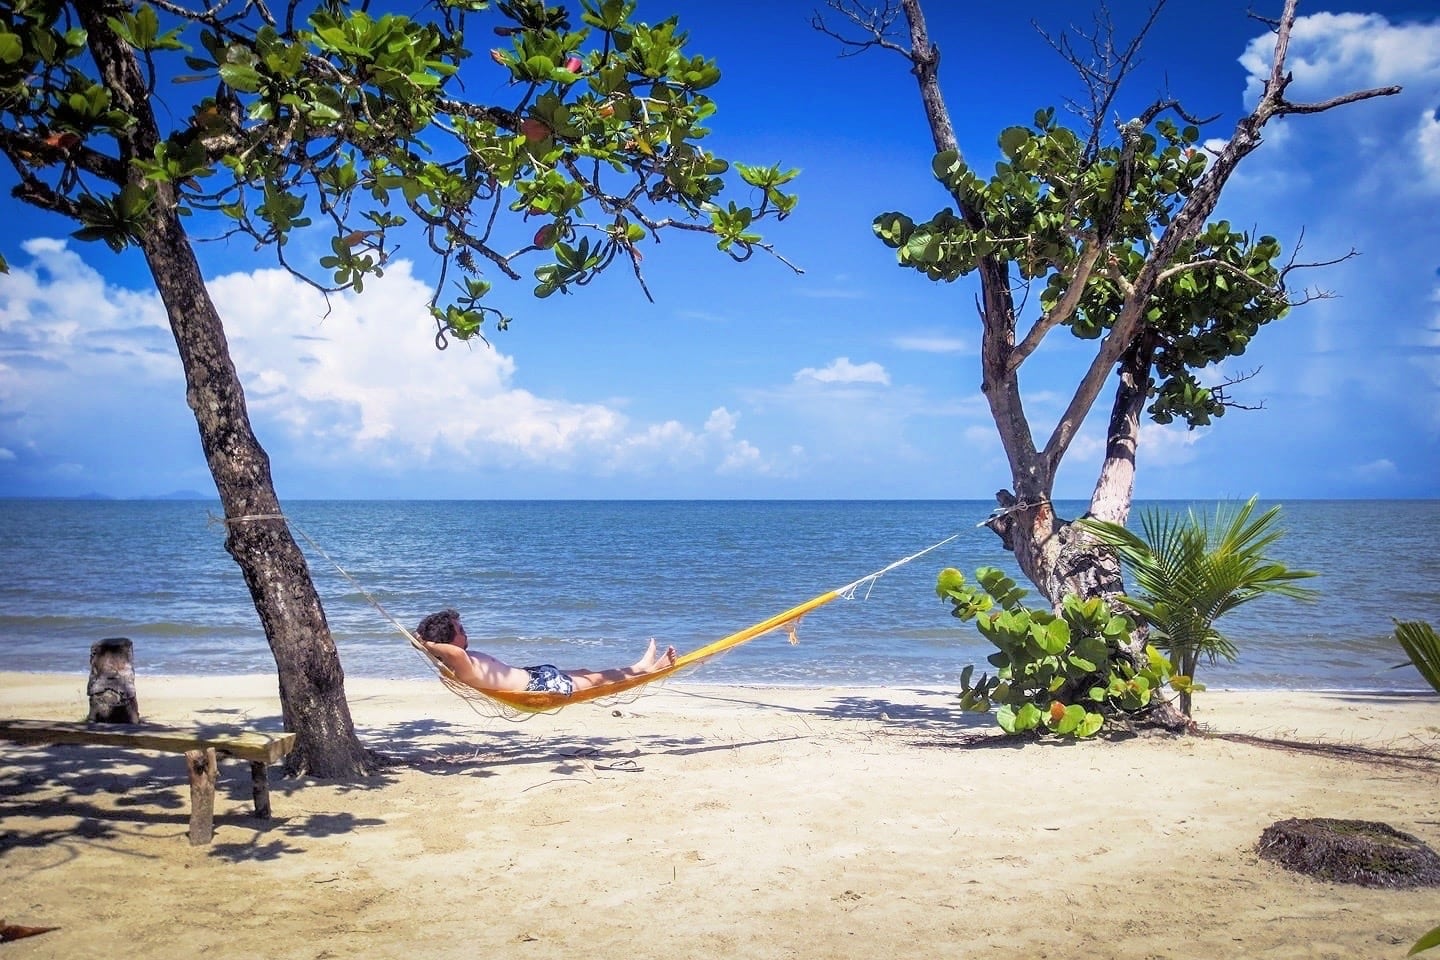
<point x="652" y="662"/>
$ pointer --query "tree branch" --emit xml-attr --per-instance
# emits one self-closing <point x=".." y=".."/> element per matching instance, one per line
<point x="876" y="24"/>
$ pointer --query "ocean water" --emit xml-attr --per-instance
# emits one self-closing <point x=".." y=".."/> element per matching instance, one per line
<point x="585" y="583"/>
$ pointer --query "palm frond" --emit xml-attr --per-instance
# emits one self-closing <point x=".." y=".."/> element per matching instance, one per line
<point x="1422" y="645"/>
<point x="1190" y="571"/>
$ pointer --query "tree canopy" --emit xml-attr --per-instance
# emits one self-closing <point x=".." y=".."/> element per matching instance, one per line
<point x="333" y="117"/>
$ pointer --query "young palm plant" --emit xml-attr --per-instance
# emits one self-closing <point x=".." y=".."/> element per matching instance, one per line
<point x="1189" y="574"/>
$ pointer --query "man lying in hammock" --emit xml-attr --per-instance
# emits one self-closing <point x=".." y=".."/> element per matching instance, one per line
<point x="445" y="638"/>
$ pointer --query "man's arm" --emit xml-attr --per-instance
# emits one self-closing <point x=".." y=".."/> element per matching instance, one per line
<point x="456" y="660"/>
<point x="481" y="671"/>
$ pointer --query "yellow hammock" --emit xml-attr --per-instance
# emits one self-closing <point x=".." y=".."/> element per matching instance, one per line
<point x="526" y="701"/>
<point x="529" y="702"/>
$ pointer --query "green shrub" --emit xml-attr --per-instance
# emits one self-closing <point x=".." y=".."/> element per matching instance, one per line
<point x="1063" y="674"/>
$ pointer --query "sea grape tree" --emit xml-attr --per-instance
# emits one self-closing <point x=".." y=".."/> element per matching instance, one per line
<point x="1101" y="232"/>
<point x="1065" y="672"/>
<point x="248" y="119"/>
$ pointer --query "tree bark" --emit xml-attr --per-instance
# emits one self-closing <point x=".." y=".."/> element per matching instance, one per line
<point x="312" y="682"/>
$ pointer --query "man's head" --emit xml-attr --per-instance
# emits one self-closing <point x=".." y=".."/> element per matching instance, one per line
<point x="442" y="627"/>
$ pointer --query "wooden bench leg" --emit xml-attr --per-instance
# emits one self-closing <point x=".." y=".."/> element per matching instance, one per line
<point x="203" y="773"/>
<point x="260" y="788"/>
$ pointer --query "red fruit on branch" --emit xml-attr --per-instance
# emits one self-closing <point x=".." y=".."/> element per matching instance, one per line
<point x="574" y="64"/>
<point x="533" y="129"/>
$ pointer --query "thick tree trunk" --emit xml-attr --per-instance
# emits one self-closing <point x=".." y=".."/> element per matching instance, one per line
<point x="312" y="683"/>
<point x="1051" y="551"/>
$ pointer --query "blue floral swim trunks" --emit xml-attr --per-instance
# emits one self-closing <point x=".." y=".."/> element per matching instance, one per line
<point x="548" y="679"/>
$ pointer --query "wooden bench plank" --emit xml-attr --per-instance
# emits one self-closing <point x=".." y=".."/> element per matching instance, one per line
<point x="243" y="745"/>
<point x="199" y="747"/>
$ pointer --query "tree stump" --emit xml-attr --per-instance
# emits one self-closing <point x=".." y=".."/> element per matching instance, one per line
<point x="112" y="682"/>
<point x="1362" y="852"/>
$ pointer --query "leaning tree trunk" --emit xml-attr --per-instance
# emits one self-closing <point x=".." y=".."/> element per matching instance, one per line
<point x="312" y="683"/>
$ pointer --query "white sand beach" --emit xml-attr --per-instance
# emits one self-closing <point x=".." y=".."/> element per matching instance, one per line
<point x="703" y="821"/>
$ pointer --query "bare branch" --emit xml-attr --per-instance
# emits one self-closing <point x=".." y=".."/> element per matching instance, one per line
<point x="1106" y="67"/>
<point x="874" y="24"/>
<point x="1220" y="392"/>
<point x="1062" y="311"/>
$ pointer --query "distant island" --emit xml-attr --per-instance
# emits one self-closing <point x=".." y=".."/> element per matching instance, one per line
<point x="173" y="495"/>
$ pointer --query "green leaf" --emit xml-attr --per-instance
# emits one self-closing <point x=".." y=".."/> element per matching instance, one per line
<point x="11" y="50"/>
<point x="1422" y="645"/>
<point x="1074" y="714"/>
<point x="1012" y="139"/>
<point x="1090" y="725"/>
<point x="240" y="77"/>
<point x="1052" y="637"/>
<point x="1428" y="941"/>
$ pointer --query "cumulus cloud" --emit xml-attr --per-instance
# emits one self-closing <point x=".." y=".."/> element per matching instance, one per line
<point x="352" y="382"/>
<point x="1334" y="54"/>
<point x="57" y="313"/>
<point x="842" y="371"/>
<point x="1167" y="446"/>
<point x="1427" y="146"/>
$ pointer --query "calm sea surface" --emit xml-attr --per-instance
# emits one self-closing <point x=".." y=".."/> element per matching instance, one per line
<point x="585" y="583"/>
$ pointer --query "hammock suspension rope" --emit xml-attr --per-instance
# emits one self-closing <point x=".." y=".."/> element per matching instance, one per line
<point x="523" y="704"/>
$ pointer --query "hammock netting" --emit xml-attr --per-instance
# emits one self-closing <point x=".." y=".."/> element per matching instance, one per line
<point x="519" y="704"/>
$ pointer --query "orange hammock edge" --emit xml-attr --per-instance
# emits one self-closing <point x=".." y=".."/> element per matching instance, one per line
<point x="543" y="701"/>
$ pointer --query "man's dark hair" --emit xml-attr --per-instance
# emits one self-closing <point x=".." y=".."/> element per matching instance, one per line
<point x="439" y="627"/>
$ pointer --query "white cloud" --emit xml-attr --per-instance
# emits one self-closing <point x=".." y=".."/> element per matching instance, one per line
<point x="355" y="384"/>
<point x="6" y="453"/>
<point x="922" y="344"/>
<point x="1427" y="146"/>
<point x="1166" y="446"/>
<point x="57" y="312"/>
<point x="841" y="370"/>
<point x="673" y="446"/>
<point x="1333" y="53"/>
<point x="1375" y="471"/>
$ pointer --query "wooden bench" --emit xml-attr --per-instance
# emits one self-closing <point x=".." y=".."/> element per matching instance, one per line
<point x="201" y="751"/>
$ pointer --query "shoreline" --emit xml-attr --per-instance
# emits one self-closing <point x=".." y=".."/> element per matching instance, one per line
<point x="220" y="678"/>
<point x="700" y="820"/>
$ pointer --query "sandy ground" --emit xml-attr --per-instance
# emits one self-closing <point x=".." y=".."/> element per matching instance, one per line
<point x="702" y="821"/>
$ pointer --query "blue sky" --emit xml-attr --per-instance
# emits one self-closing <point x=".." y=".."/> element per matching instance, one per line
<point x="853" y="380"/>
